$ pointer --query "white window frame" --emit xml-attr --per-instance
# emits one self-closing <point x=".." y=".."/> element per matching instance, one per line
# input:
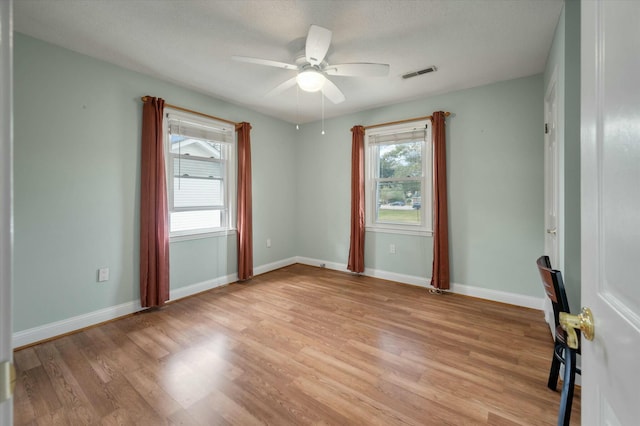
<point x="425" y="228"/>
<point x="228" y="216"/>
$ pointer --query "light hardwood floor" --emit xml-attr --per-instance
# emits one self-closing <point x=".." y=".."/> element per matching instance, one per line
<point x="299" y="346"/>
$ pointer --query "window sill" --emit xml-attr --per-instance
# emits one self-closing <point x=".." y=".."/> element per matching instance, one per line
<point x="420" y="233"/>
<point x="178" y="238"/>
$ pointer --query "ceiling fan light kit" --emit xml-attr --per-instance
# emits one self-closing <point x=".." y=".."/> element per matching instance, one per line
<point x="313" y="69"/>
<point x="310" y="80"/>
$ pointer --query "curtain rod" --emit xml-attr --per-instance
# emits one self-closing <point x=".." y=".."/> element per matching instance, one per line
<point x="409" y="120"/>
<point x="146" y="98"/>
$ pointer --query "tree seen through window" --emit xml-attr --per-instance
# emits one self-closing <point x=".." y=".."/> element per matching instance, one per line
<point x="400" y="161"/>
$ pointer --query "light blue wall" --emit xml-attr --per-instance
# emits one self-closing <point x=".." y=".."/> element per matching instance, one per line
<point x="77" y="131"/>
<point x="495" y="175"/>
<point x="77" y="185"/>
<point x="564" y="62"/>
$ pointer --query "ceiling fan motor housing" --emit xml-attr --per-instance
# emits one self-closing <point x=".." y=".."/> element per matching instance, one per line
<point x="313" y="69"/>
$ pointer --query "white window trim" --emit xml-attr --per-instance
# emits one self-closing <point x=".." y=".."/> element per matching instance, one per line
<point x="426" y="210"/>
<point x="231" y="177"/>
<point x="200" y="235"/>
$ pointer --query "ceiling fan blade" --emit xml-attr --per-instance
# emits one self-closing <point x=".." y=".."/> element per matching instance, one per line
<point x="281" y="87"/>
<point x="332" y="92"/>
<point x="362" y="69"/>
<point x="266" y="62"/>
<point x="318" y="41"/>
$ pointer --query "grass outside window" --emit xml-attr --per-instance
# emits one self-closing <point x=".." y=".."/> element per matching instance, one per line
<point x="411" y="216"/>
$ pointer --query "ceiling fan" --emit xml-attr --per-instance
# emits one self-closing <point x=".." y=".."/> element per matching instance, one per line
<point x="313" y="70"/>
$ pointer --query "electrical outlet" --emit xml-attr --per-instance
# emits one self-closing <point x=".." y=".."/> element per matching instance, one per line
<point x="268" y="242"/>
<point x="392" y="248"/>
<point x="103" y="274"/>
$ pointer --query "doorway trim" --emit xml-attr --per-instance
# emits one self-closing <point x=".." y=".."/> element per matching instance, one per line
<point x="553" y="227"/>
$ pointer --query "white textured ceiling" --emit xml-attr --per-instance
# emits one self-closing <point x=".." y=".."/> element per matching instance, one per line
<point x="190" y="42"/>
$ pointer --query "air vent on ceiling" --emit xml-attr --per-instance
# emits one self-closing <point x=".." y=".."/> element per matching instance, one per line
<point x="417" y="73"/>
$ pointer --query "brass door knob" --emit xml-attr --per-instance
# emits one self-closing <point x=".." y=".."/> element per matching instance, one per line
<point x="583" y="322"/>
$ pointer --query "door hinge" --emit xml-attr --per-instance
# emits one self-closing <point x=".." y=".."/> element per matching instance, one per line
<point x="546" y="128"/>
<point x="7" y="380"/>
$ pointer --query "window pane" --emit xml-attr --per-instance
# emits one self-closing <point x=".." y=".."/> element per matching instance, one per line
<point x="399" y="202"/>
<point x="196" y="147"/>
<point x="186" y="221"/>
<point x="194" y="167"/>
<point x="195" y="130"/>
<point x="195" y="192"/>
<point x="199" y="159"/>
<point x="400" y="160"/>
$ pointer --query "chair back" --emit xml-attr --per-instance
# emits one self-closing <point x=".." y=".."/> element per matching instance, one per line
<point x="554" y="287"/>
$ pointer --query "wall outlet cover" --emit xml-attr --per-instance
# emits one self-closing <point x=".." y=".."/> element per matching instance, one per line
<point x="103" y="274"/>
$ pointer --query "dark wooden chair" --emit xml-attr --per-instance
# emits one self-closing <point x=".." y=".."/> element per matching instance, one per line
<point x="562" y="353"/>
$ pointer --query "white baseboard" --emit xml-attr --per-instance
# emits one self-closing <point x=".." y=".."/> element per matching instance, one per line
<point x="499" y="296"/>
<point x="196" y="288"/>
<point x="401" y="278"/>
<point x="58" y="328"/>
<point x="47" y="331"/>
<point x="342" y="267"/>
<point x="258" y="270"/>
<point x="479" y="292"/>
<point x="369" y="272"/>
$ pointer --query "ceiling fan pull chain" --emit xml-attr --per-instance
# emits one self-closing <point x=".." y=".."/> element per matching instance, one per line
<point x="322" y="96"/>
<point x="297" y="107"/>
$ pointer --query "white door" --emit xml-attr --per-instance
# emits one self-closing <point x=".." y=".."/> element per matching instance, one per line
<point x="610" y="188"/>
<point x="551" y="168"/>
<point x="6" y="230"/>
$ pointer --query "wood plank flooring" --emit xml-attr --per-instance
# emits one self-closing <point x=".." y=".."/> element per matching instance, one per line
<point x="299" y="346"/>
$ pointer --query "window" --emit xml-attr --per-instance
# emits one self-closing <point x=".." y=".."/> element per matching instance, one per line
<point x="200" y="156"/>
<point x="398" y="167"/>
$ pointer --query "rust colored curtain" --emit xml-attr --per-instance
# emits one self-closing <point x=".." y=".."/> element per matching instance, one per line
<point x="440" y="272"/>
<point x="154" y="216"/>
<point x="356" y="248"/>
<point x="245" y="218"/>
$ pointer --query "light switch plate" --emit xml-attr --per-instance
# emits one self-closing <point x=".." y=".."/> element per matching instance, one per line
<point x="103" y="274"/>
